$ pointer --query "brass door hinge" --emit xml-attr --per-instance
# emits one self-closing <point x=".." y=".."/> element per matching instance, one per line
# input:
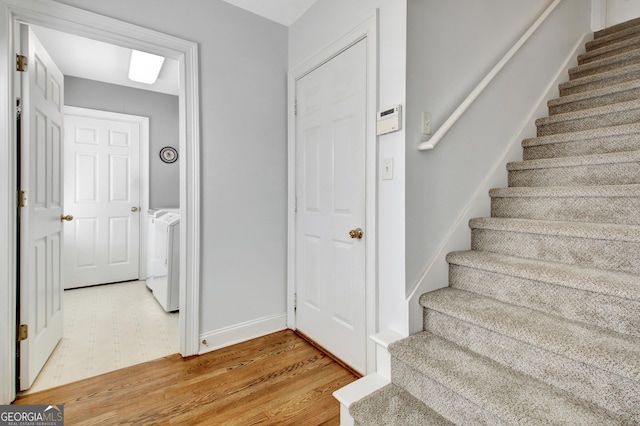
<point x="21" y="63"/>
<point x="22" y="199"/>
<point x="23" y="332"/>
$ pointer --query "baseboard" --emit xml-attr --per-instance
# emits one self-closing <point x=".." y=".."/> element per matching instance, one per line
<point x="436" y="273"/>
<point x="242" y="332"/>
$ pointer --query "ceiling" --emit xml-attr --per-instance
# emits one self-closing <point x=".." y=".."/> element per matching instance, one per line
<point x="284" y="12"/>
<point x="94" y="60"/>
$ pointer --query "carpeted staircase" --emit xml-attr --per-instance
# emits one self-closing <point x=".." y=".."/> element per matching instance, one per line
<point x="540" y="323"/>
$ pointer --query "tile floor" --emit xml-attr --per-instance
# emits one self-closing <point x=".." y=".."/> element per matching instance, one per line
<point x="107" y="328"/>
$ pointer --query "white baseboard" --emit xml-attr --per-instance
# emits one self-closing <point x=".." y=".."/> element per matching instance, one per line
<point x="242" y="332"/>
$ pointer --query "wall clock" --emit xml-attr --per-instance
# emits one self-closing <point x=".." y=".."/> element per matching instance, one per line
<point x="168" y="154"/>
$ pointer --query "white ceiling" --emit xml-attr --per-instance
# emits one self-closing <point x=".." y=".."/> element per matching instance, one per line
<point x="285" y="12"/>
<point x="94" y="60"/>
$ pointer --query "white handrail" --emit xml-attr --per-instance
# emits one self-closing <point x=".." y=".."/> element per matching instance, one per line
<point x="437" y="136"/>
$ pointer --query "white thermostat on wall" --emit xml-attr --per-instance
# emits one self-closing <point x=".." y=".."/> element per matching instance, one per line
<point x="389" y="120"/>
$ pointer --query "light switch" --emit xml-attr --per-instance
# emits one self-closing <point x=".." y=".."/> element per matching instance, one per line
<point x="426" y="123"/>
<point x="387" y="168"/>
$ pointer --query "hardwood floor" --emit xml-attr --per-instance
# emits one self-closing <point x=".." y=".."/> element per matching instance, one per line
<point x="276" y="379"/>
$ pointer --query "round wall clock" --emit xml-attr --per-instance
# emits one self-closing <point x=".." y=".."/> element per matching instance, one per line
<point x="168" y="154"/>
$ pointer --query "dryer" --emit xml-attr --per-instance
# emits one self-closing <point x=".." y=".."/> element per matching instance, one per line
<point x="166" y="261"/>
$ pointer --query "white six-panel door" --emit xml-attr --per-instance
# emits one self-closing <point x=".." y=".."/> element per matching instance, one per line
<point x="102" y="177"/>
<point x="330" y="190"/>
<point x="40" y="227"/>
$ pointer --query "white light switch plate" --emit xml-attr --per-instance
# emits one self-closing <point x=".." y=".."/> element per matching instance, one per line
<point x="387" y="168"/>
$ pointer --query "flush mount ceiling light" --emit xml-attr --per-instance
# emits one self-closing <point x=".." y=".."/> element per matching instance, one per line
<point x="144" y="67"/>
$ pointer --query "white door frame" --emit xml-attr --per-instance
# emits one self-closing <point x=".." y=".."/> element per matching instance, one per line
<point x="367" y="30"/>
<point x="143" y="122"/>
<point x="72" y="20"/>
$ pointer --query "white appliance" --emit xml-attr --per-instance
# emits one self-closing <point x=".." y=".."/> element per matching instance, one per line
<point x="165" y="261"/>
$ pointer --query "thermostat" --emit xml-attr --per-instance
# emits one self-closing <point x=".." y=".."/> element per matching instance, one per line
<point x="389" y="120"/>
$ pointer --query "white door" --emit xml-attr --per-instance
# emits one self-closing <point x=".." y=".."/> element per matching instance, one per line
<point x="102" y="181"/>
<point x="622" y="10"/>
<point x="40" y="225"/>
<point x="330" y="190"/>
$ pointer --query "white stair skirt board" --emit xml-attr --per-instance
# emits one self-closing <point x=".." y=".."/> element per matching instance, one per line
<point x="356" y="391"/>
<point x="242" y="332"/>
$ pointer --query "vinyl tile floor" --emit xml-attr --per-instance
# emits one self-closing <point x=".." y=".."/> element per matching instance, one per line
<point x="106" y="328"/>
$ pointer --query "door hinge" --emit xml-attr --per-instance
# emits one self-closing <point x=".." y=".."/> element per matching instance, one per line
<point x="295" y="204"/>
<point x="23" y="332"/>
<point x="22" y="199"/>
<point x="295" y="107"/>
<point x="21" y="63"/>
<point x="295" y="301"/>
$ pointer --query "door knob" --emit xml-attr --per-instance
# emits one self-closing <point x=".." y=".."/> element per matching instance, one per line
<point x="356" y="233"/>
<point x="134" y="209"/>
<point x="66" y="217"/>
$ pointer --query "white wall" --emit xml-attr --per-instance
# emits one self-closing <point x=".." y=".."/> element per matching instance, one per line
<point x="621" y="10"/>
<point x="162" y="110"/>
<point x="451" y="47"/>
<point x="324" y="23"/>
<point x="243" y="64"/>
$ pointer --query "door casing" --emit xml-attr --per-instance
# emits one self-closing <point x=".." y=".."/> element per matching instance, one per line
<point x="367" y="30"/>
<point x="87" y="24"/>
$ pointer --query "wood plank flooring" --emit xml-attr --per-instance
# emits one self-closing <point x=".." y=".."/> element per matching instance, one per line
<point x="276" y="379"/>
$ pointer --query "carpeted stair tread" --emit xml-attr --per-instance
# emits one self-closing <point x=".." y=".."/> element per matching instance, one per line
<point x="606" y="64"/>
<point x="608" y="351"/>
<point x="613" y="37"/>
<point x="392" y="405"/>
<point x="619" y="395"/>
<point x="615" y="48"/>
<point x="581" y="294"/>
<point x="608" y="115"/>
<point x="595" y="203"/>
<point x="581" y="160"/>
<point x="615" y="284"/>
<point x="616" y="28"/>
<point x="593" y="141"/>
<point x="618" y="168"/>
<point x="621" y="92"/>
<point x="513" y="397"/>
<point x="595" y="231"/>
<point x="600" y="80"/>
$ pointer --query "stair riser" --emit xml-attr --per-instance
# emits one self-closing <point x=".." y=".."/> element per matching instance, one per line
<point x="440" y="398"/>
<point x="626" y="45"/>
<point x="583" y="147"/>
<point x="571" y="209"/>
<point x="627" y="34"/>
<point x="591" y="69"/>
<point x="605" y="254"/>
<point x="613" y="313"/>
<point x="608" y="99"/>
<point x="601" y="80"/>
<point x="617" y="394"/>
<point x="594" y="174"/>
<point x="587" y="123"/>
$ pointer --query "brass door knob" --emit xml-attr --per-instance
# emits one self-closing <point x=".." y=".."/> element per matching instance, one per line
<point x="356" y="233"/>
<point x="66" y="217"/>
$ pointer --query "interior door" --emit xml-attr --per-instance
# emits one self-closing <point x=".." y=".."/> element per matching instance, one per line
<point x="40" y="225"/>
<point x="330" y="190"/>
<point x="102" y="177"/>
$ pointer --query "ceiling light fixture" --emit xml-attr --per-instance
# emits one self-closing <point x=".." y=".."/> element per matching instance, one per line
<point x="144" y="67"/>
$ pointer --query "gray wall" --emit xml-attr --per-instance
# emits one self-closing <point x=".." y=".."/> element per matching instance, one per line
<point x="243" y="66"/>
<point x="451" y="46"/>
<point x="162" y="110"/>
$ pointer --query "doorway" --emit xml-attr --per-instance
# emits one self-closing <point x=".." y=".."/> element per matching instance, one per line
<point x="70" y="19"/>
<point x="353" y="309"/>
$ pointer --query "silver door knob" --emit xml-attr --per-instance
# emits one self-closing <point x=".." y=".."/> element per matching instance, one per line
<point x="134" y="209"/>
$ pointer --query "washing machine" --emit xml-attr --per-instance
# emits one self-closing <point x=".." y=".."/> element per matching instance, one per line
<point x="154" y="253"/>
<point x="165" y="283"/>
